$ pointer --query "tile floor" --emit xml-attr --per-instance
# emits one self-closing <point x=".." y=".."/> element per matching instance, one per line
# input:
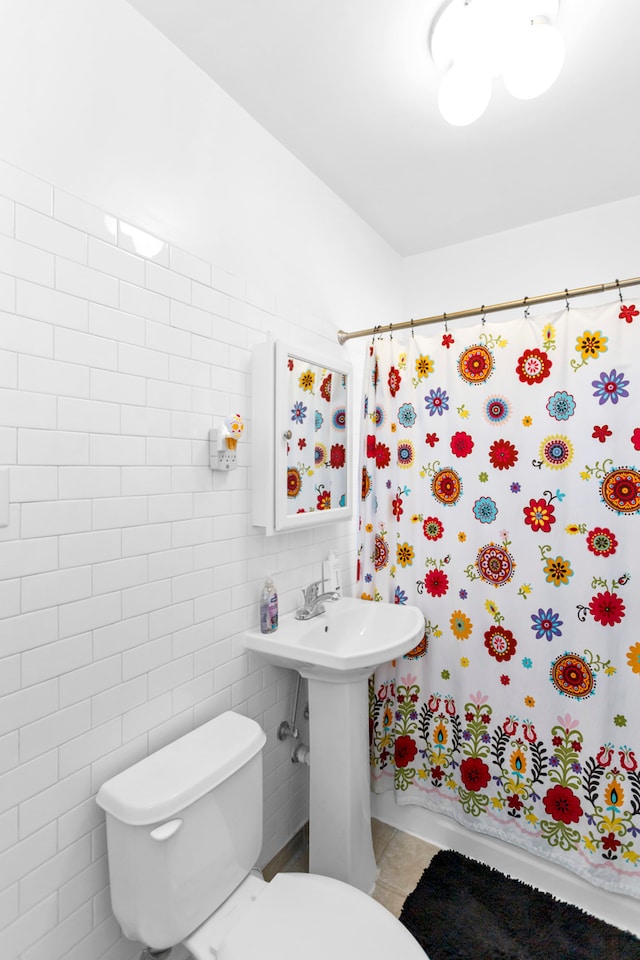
<point x="401" y="860"/>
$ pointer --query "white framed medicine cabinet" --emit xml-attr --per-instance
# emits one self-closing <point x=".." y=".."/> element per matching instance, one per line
<point x="302" y="437"/>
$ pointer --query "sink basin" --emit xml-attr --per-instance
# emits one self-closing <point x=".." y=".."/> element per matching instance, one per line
<point x="351" y="638"/>
<point x="337" y="651"/>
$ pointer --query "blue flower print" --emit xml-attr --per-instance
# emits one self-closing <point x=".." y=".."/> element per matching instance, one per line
<point x="319" y="420"/>
<point x="485" y="510"/>
<point x="547" y="624"/>
<point x="298" y="412"/>
<point x="561" y="405"/>
<point x="437" y="402"/>
<point x="400" y="596"/>
<point x="407" y="415"/>
<point x="610" y="386"/>
<point x="527" y="663"/>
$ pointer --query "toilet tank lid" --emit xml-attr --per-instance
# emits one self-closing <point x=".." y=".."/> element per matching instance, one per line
<point x="179" y="774"/>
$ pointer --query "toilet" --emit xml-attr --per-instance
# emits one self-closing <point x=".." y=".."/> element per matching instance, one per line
<point x="184" y="831"/>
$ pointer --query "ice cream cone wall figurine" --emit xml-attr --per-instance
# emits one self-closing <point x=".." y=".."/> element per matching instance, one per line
<point x="234" y="426"/>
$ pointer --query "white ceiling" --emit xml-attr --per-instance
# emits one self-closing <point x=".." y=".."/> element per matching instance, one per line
<point x="348" y="86"/>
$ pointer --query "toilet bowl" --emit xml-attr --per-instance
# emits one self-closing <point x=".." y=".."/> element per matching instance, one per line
<point x="184" y="830"/>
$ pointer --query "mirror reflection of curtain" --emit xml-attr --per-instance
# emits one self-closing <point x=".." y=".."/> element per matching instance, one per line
<point x="501" y="495"/>
<point x="316" y="450"/>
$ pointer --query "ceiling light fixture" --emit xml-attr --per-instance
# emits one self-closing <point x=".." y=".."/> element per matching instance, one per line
<point x="476" y="41"/>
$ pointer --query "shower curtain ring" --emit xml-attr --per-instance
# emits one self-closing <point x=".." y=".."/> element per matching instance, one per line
<point x="526" y="308"/>
<point x="446" y="327"/>
<point x="484" y="315"/>
<point x="412" y="330"/>
<point x="567" y="304"/>
<point x="619" y="291"/>
<point x="390" y="331"/>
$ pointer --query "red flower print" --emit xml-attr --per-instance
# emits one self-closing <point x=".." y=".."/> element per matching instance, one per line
<point x="290" y="363"/>
<point x="601" y="433"/>
<point x="635" y="438"/>
<point x="461" y="444"/>
<point x="515" y="803"/>
<point x="447" y="340"/>
<point x="607" y="608"/>
<point x="431" y="439"/>
<point x="432" y="528"/>
<point x="404" y="751"/>
<point x="562" y="804"/>
<point x="394" y="380"/>
<point x="502" y="454"/>
<point x="302" y="443"/>
<point x="601" y="541"/>
<point x="371" y="445"/>
<point x="325" y="388"/>
<point x="337" y="456"/>
<point x="436" y="583"/>
<point x="610" y="842"/>
<point x="324" y="500"/>
<point x="396" y="506"/>
<point x="383" y="455"/>
<point x="628" y="313"/>
<point x="539" y="515"/>
<point x="500" y="643"/>
<point x="474" y="773"/>
<point x="505" y="679"/>
<point x="533" y="366"/>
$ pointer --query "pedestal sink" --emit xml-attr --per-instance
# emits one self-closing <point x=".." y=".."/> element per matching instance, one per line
<point x="337" y="651"/>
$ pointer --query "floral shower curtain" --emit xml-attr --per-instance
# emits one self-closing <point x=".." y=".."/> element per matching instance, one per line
<point x="501" y="495"/>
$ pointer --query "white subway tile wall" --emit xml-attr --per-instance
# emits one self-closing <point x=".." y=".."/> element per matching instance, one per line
<point x="128" y="570"/>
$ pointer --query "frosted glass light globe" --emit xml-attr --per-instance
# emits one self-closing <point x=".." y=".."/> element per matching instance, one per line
<point x="464" y="95"/>
<point x="534" y="61"/>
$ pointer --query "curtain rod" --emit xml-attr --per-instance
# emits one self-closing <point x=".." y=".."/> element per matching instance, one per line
<point x="344" y="335"/>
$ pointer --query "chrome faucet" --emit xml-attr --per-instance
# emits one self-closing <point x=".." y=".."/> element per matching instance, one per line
<point x="314" y="601"/>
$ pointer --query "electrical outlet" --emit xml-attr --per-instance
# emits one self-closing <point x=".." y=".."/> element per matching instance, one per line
<point x="227" y="460"/>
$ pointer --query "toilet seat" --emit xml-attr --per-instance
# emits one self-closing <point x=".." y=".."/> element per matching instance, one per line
<point x="301" y="915"/>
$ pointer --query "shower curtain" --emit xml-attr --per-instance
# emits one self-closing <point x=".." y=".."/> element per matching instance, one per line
<point x="500" y="494"/>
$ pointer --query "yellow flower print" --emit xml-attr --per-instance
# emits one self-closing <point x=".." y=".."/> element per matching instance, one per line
<point x="631" y="855"/>
<point x="424" y="366"/>
<point x="416" y="518"/>
<point x="307" y="380"/>
<point x="462" y="536"/>
<point x="422" y="774"/>
<point x="490" y="607"/>
<point x="531" y="817"/>
<point x="393" y="427"/>
<point x="527" y="421"/>
<point x="464" y="661"/>
<point x="584" y="475"/>
<point x="573" y="528"/>
<point x="366" y="596"/>
<point x="589" y="843"/>
<point x="402" y="361"/>
<point x="404" y="554"/>
<point x="549" y="332"/>
<point x="369" y="528"/>
<point x="437" y="632"/>
<point x="633" y="657"/>
<point x="460" y="624"/>
<point x="591" y="344"/>
<point x="524" y="590"/>
<point x="558" y="571"/>
<point x="529" y="702"/>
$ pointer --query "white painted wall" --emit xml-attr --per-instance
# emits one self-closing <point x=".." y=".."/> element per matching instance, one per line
<point x="128" y="571"/>
<point x="592" y="246"/>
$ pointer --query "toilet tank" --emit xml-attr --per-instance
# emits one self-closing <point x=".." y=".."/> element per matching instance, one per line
<point x="184" y="828"/>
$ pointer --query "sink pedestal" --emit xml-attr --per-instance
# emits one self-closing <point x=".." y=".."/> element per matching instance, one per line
<point x="340" y="844"/>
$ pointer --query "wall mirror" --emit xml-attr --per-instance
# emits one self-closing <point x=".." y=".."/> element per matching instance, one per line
<point x="302" y="429"/>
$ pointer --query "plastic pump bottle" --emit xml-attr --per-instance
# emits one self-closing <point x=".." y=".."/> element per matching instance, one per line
<point x="268" y="607"/>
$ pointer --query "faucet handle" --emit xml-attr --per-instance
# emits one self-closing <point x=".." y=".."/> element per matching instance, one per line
<point x="312" y="591"/>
